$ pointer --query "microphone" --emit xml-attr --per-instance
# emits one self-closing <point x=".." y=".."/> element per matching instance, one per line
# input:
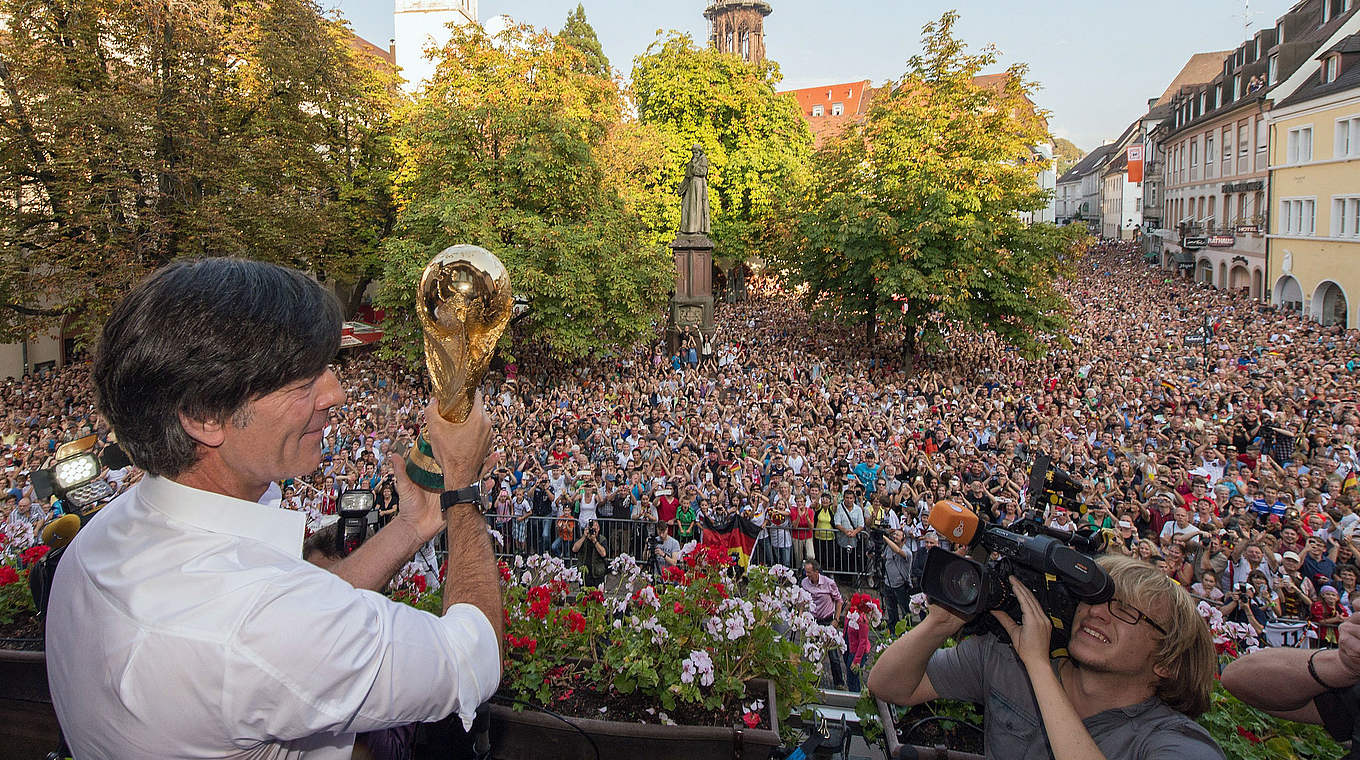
<point x="955" y="522"/>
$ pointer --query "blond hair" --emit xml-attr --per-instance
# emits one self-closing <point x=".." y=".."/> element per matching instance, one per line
<point x="1186" y="652"/>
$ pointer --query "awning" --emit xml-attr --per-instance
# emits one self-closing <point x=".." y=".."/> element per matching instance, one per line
<point x="355" y="334"/>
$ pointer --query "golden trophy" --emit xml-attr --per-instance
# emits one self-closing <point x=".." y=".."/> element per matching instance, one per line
<point x="464" y="304"/>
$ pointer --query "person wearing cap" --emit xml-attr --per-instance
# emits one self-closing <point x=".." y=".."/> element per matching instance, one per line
<point x="1327" y="613"/>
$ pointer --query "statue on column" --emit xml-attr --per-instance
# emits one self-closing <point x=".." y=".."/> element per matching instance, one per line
<point x="694" y="195"/>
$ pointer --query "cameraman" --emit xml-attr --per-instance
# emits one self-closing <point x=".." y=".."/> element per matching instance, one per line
<point x="665" y="549"/>
<point x="1141" y="667"/>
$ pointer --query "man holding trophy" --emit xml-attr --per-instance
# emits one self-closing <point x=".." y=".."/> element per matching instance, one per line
<point x="183" y="621"/>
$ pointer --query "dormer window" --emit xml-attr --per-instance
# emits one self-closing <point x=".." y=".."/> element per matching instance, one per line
<point x="1273" y="70"/>
<point x="1331" y="66"/>
<point x="818" y="110"/>
<point x="837" y="109"/>
<point x="1218" y="96"/>
<point x="1279" y="33"/>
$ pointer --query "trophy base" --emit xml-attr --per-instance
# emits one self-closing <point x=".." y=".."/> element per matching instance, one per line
<point x="421" y="467"/>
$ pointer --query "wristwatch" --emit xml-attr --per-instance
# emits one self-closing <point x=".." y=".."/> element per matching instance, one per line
<point x="470" y="495"/>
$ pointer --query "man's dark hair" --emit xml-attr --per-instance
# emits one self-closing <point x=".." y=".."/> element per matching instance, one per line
<point x="203" y="338"/>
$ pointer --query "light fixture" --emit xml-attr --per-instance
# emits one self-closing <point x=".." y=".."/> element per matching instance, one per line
<point x="354" y="507"/>
<point x="78" y="478"/>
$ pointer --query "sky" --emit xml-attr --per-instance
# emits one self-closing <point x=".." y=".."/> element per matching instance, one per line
<point x="1096" y="62"/>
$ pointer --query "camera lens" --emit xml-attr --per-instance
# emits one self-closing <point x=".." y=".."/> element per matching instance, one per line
<point x="960" y="582"/>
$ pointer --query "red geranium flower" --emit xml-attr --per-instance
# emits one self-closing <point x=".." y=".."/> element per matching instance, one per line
<point x="751" y="720"/>
<point x="418" y="581"/>
<point x="1249" y="736"/>
<point x="576" y="622"/>
<point x="539" y="601"/>
<point x="34" y="554"/>
<point x="8" y="575"/>
<point x="505" y="570"/>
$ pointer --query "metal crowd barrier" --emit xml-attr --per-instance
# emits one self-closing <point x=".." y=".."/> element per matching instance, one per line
<point x="859" y="564"/>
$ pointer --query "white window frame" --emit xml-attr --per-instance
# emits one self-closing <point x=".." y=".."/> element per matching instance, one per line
<point x="1331" y="66"/>
<point x="1299" y="145"/>
<point x="819" y="110"/>
<point x="1273" y="70"/>
<point x="1347" y="138"/>
<point x="1298" y="216"/>
<point x="837" y="109"/>
<point x="1346" y="216"/>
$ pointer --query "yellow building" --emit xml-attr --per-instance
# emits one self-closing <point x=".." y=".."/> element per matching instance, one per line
<point x="1314" y="242"/>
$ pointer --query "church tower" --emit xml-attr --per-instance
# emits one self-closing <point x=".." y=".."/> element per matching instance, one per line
<point x="738" y="26"/>
<point x="421" y="24"/>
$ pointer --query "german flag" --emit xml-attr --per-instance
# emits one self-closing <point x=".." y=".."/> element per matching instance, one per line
<point x="737" y="537"/>
<point x="1350" y="481"/>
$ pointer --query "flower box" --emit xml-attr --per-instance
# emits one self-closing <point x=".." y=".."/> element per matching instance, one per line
<point x="535" y="735"/>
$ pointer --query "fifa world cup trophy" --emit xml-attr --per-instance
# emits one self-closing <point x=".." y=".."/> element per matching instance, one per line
<point x="464" y="304"/>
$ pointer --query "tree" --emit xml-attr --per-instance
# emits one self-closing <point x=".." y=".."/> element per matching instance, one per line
<point x="912" y="217"/>
<point x="578" y="33"/>
<point x="135" y="133"/>
<point x="757" y="143"/>
<point x="517" y="148"/>
<point x="1067" y="154"/>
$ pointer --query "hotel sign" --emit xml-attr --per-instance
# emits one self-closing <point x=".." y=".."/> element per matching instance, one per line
<point x="1244" y="187"/>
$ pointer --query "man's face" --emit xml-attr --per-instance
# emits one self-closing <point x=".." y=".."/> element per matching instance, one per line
<point x="282" y="434"/>
<point x="1105" y="644"/>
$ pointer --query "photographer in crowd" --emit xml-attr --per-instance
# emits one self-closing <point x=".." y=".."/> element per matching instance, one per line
<point x="174" y="617"/>
<point x="1140" y="668"/>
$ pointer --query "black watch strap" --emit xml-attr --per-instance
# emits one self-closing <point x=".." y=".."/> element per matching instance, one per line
<point x="470" y="495"/>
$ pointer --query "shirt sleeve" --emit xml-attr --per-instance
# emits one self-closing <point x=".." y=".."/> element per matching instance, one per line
<point x="314" y="655"/>
<point x="1337" y="710"/>
<point x="958" y="672"/>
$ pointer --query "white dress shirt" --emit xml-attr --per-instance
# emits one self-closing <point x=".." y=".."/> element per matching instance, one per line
<point x="185" y="624"/>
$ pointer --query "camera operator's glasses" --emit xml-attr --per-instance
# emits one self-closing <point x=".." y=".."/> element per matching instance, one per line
<point x="1132" y="615"/>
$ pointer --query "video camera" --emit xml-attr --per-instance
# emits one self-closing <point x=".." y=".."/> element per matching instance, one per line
<point x="1055" y="565"/>
<point x="1051" y="486"/>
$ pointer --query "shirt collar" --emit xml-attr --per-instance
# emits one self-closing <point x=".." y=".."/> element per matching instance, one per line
<point x="280" y="528"/>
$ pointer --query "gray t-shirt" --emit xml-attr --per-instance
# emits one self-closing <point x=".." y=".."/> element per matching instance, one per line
<point x="985" y="671"/>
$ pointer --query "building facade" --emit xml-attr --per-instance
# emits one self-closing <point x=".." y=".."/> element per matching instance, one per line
<point x="1314" y="239"/>
<point x="1080" y="187"/>
<point x="738" y="27"/>
<point x="423" y="24"/>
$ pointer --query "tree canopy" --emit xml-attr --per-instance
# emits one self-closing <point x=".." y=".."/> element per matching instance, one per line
<point x="578" y="33"/>
<point x="519" y="147"/>
<point x="134" y="133"/>
<point x="756" y="142"/>
<point x="1066" y="154"/>
<point x="912" y="217"/>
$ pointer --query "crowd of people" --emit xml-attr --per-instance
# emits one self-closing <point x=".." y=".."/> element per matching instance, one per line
<point x="1230" y="465"/>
